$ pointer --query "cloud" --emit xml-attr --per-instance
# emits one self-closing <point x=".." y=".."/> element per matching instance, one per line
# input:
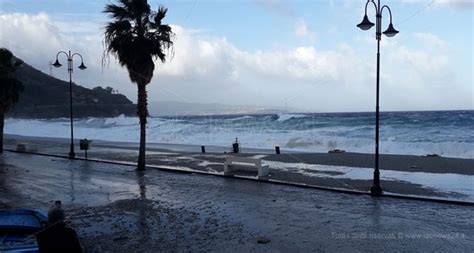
<point x="461" y="4"/>
<point x="302" y="30"/>
<point x="430" y="40"/>
<point x="205" y="57"/>
<point x="37" y="38"/>
<point x="425" y="76"/>
<point x="207" y="68"/>
<point x="31" y="36"/>
<point x="458" y="4"/>
<point x="339" y="79"/>
<point x="430" y="60"/>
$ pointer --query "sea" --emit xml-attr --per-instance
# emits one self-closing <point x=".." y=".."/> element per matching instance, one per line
<point x="446" y="133"/>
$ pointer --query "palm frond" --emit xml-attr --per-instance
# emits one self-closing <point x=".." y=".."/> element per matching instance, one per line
<point x="118" y="12"/>
<point x="134" y="37"/>
<point x="160" y="15"/>
<point x="118" y="28"/>
<point x="141" y="8"/>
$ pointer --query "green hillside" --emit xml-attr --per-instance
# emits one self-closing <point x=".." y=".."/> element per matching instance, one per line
<point x="48" y="97"/>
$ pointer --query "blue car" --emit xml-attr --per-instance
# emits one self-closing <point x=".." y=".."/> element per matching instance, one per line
<point x="18" y="227"/>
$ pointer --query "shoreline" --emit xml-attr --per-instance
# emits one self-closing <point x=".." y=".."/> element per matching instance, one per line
<point x="398" y="162"/>
<point x="435" y="177"/>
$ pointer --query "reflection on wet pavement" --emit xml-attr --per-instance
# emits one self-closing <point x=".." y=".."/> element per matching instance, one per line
<point x="116" y="209"/>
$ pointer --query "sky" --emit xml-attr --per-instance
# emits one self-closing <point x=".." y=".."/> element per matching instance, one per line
<point x="306" y="54"/>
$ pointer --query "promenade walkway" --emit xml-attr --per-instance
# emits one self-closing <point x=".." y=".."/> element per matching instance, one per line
<point x="114" y="208"/>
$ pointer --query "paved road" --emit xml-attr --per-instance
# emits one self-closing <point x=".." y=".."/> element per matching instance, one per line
<point x="114" y="208"/>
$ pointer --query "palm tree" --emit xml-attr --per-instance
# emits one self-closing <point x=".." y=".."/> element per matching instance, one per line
<point x="136" y="37"/>
<point x="10" y="87"/>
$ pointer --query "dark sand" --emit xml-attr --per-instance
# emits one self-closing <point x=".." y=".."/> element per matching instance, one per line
<point x="410" y="163"/>
<point x="389" y="162"/>
<point x="185" y="157"/>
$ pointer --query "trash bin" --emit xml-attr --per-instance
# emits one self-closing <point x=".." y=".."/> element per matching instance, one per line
<point x="235" y="146"/>
<point x="84" y="144"/>
<point x="277" y="150"/>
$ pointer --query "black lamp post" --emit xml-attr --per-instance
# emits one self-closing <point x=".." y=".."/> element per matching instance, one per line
<point x="56" y="64"/>
<point x="376" y="189"/>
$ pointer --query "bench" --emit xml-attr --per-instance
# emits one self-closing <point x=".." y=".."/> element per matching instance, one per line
<point x="263" y="171"/>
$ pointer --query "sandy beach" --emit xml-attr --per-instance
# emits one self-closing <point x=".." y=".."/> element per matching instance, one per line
<point x="437" y="177"/>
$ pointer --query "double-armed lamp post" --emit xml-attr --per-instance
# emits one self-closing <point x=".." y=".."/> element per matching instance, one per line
<point x="376" y="188"/>
<point x="56" y="64"/>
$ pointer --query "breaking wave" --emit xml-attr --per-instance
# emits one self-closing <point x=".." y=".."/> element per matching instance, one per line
<point x="448" y="133"/>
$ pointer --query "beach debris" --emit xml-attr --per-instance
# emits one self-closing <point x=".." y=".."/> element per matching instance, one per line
<point x="336" y="151"/>
<point x="433" y="155"/>
<point x="262" y="240"/>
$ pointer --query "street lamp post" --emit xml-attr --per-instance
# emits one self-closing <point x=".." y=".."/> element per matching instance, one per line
<point x="56" y="64"/>
<point x="376" y="189"/>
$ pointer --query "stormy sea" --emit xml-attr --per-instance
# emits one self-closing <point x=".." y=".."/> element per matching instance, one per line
<point x="446" y="133"/>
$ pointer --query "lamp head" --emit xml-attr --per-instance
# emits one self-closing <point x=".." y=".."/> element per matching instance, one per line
<point x="57" y="64"/>
<point x="365" y="24"/>
<point x="82" y="66"/>
<point x="390" y="32"/>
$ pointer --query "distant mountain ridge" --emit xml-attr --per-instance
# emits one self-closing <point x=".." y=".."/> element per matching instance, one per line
<point x="45" y="96"/>
<point x="172" y="108"/>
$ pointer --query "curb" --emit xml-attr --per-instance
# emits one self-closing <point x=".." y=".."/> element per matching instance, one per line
<point x="268" y="181"/>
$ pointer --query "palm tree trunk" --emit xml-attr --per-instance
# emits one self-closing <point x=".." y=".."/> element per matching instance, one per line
<point x="142" y="115"/>
<point x="2" y="123"/>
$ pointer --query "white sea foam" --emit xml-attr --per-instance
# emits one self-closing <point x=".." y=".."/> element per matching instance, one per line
<point x="241" y="118"/>
<point x="446" y="182"/>
<point x="287" y="116"/>
<point x="263" y="132"/>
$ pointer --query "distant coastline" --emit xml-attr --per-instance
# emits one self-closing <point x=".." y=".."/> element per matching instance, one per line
<point x="277" y="112"/>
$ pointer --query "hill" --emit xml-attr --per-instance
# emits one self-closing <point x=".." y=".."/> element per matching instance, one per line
<point x="171" y="108"/>
<point x="47" y="97"/>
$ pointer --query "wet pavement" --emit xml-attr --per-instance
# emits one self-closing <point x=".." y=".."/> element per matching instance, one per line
<point x="438" y="177"/>
<point x="115" y="209"/>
